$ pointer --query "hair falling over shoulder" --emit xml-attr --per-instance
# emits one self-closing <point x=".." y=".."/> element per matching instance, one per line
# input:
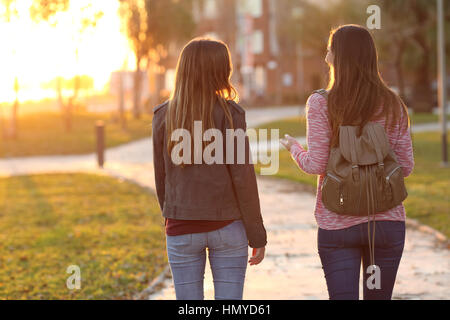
<point x="357" y="92"/>
<point x="202" y="79"/>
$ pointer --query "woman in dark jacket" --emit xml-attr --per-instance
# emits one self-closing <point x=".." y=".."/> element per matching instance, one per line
<point x="205" y="181"/>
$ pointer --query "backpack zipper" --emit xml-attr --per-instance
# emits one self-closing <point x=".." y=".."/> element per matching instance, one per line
<point x="391" y="173"/>
<point x="341" y="196"/>
<point x="334" y="177"/>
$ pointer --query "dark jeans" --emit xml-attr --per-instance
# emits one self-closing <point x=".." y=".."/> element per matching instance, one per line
<point x="341" y="252"/>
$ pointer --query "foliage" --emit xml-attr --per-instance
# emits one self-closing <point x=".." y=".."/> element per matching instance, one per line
<point x="310" y="22"/>
<point x="152" y="25"/>
<point x="46" y="9"/>
<point x="406" y="40"/>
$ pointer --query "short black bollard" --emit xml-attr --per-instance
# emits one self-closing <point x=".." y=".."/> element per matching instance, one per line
<point x="100" y="133"/>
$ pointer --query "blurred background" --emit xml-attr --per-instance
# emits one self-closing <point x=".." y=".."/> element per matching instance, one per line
<point x="69" y="56"/>
<point x="79" y="80"/>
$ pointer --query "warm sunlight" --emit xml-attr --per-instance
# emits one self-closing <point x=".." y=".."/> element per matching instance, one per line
<point x="36" y="53"/>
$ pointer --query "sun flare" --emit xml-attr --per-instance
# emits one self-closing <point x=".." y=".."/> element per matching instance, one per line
<point x="37" y="53"/>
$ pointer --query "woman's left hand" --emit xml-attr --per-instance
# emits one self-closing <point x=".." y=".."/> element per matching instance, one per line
<point x="257" y="256"/>
<point x="288" y="142"/>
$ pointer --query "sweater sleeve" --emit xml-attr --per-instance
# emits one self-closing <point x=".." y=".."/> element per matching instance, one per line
<point x="318" y="136"/>
<point x="403" y="148"/>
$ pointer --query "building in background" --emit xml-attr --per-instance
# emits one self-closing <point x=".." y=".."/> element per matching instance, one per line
<point x="268" y="68"/>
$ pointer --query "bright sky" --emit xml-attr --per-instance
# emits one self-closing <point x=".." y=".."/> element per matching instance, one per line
<point x="43" y="52"/>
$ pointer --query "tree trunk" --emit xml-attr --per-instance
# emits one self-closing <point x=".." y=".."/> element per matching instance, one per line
<point x="137" y="91"/>
<point x="67" y="115"/>
<point x="14" y="127"/>
<point x="59" y="92"/>
<point x="422" y="93"/>
<point x="399" y="68"/>
<point x="3" y="124"/>
<point x="122" y="118"/>
<point x="154" y="83"/>
<point x="76" y="91"/>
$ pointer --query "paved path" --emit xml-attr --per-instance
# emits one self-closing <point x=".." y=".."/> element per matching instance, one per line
<point x="292" y="268"/>
<point x="134" y="154"/>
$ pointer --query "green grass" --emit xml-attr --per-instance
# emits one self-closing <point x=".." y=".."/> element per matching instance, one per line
<point x="111" y="229"/>
<point x="44" y="134"/>
<point x="419" y="118"/>
<point x="428" y="186"/>
<point x="296" y="126"/>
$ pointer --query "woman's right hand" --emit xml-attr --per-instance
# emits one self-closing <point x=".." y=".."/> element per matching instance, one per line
<point x="288" y="142"/>
<point x="257" y="256"/>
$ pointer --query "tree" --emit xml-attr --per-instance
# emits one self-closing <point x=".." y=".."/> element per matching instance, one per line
<point x="410" y="35"/>
<point x="407" y="37"/>
<point x="136" y="22"/>
<point x="152" y="25"/>
<point x="46" y="10"/>
<point x="305" y="25"/>
<point x="10" y="14"/>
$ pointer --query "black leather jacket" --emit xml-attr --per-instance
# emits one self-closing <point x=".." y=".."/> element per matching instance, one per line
<point x="208" y="192"/>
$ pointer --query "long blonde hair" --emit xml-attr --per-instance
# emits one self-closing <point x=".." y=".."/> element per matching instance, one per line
<point x="202" y="79"/>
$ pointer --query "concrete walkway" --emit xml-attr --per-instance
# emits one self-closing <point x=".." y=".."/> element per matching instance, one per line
<point x="292" y="268"/>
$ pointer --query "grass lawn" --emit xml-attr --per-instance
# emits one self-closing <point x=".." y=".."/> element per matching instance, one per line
<point x="296" y="126"/>
<point x="418" y="118"/>
<point x="111" y="229"/>
<point x="427" y="186"/>
<point x="44" y="134"/>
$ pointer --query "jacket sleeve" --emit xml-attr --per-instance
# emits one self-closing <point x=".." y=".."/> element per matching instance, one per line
<point x="158" y="160"/>
<point x="318" y="136"/>
<point x="246" y="190"/>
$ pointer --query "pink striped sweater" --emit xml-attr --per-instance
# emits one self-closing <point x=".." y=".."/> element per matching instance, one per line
<point x="315" y="160"/>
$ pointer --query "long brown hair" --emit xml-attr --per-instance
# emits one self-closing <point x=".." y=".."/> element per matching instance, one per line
<point x="356" y="88"/>
<point x="202" y="79"/>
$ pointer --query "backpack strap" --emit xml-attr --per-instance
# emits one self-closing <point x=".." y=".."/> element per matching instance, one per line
<point x="346" y="135"/>
<point x="377" y="143"/>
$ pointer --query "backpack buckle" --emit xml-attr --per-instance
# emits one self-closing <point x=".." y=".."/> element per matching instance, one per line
<point x="380" y="169"/>
<point x="355" y="173"/>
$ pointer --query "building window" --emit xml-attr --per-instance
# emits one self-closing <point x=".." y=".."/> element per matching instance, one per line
<point x="210" y="9"/>
<point x="255" y="8"/>
<point x="260" y="80"/>
<point x="287" y="79"/>
<point x="258" y="42"/>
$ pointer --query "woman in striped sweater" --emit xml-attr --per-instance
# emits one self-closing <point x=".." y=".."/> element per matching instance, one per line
<point x="356" y="95"/>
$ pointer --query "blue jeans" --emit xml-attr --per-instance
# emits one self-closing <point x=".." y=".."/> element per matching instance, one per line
<point x="341" y="252"/>
<point x="228" y="255"/>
